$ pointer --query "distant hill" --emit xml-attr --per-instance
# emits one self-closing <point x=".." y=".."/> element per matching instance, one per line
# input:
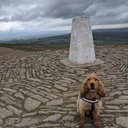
<point x="112" y="30"/>
<point x="26" y="35"/>
<point x="111" y="36"/>
<point x="101" y="36"/>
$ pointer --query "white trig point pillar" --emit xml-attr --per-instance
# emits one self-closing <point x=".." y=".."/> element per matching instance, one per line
<point x="81" y="43"/>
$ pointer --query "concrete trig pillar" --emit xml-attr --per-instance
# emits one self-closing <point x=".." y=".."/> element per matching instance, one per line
<point x="81" y="43"/>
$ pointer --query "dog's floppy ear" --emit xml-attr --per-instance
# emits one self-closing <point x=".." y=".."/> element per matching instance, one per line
<point x="84" y="89"/>
<point x="101" y="90"/>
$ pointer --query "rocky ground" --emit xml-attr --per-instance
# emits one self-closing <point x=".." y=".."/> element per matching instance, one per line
<point x="37" y="91"/>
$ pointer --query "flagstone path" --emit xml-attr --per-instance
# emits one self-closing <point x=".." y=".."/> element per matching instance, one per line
<point x="37" y="91"/>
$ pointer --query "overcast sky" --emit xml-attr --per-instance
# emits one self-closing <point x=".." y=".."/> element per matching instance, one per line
<point x="48" y="15"/>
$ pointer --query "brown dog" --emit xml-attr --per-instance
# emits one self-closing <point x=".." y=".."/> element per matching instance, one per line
<point x="92" y="89"/>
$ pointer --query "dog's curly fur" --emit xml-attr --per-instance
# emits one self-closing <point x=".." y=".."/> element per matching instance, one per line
<point x="84" y="107"/>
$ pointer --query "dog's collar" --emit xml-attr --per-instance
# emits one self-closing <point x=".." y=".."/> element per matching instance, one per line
<point x="90" y="101"/>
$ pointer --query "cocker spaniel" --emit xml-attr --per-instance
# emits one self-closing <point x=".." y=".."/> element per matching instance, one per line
<point x="89" y="99"/>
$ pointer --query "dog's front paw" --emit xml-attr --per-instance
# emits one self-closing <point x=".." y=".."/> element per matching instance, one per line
<point x="96" y="126"/>
<point x="80" y="125"/>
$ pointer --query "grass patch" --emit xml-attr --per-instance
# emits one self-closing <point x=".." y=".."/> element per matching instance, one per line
<point x="35" y="47"/>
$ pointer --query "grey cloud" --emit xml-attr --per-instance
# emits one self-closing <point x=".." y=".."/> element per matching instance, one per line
<point x="100" y="11"/>
<point x="20" y="10"/>
<point x="27" y="15"/>
<point x="67" y="9"/>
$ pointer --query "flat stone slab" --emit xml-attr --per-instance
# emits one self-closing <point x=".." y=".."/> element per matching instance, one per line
<point x="31" y="104"/>
<point x="123" y="121"/>
<point x="53" y="118"/>
<point x="5" y="113"/>
<point x="26" y="122"/>
<point x="15" y="110"/>
<point x="56" y="102"/>
<point x="70" y="64"/>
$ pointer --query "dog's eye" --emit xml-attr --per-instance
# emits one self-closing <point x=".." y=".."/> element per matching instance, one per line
<point x="96" y="79"/>
<point x="88" y="79"/>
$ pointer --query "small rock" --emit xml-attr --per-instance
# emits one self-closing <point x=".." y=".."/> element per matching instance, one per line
<point x="11" y="121"/>
<point x="125" y="107"/>
<point x="48" y="75"/>
<point x="68" y="118"/>
<point x="117" y="101"/>
<point x="1" y="126"/>
<point x="35" y="80"/>
<point x="68" y="80"/>
<point x="72" y="113"/>
<point x="125" y="92"/>
<point x="70" y="94"/>
<point x="56" y="102"/>
<point x="10" y="90"/>
<point x="1" y="121"/>
<point x="106" y="127"/>
<point x="123" y="121"/>
<point x="15" y="110"/>
<point x="40" y="98"/>
<point x="19" y="95"/>
<point x="48" y="125"/>
<point x="112" y="107"/>
<point x="60" y="88"/>
<point x="71" y="106"/>
<point x="123" y="97"/>
<point x="70" y="125"/>
<point x="29" y="114"/>
<point x="80" y="72"/>
<point x="26" y="122"/>
<point x="55" y="117"/>
<point x="115" y="93"/>
<point x="5" y="113"/>
<point x="31" y="104"/>
<point x="48" y="78"/>
<point x="43" y="112"/>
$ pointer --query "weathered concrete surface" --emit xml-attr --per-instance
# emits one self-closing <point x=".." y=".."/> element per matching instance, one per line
<point x="81" y="44"/>
<point x="38" y="91"/>
<point x="70" y="64"/>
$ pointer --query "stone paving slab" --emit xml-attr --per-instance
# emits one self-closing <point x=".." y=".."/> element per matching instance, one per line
<point x="68" y="63"/>
<point x="38" y="91"/>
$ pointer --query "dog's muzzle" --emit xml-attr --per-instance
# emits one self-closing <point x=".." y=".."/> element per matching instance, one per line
<point x="92" y="86"/>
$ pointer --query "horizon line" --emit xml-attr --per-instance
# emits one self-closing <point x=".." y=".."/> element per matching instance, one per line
<point x="110" y="26"/>
<point x="103" y="26"/>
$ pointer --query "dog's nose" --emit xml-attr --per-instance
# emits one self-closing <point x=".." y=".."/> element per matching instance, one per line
<point x="92" y="85"/>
